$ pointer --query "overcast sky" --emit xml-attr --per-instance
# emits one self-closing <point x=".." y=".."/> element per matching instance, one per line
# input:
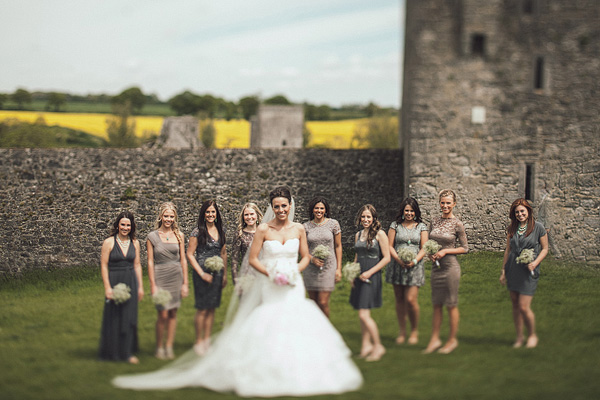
<point x="321" y="51"/>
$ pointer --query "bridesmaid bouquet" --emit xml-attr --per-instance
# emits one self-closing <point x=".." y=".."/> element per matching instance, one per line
<point x="214" y="264"/>
<point x="121" y="293"/>
<point x="526" y="257"/>
<point x="351" y="271"/>
<point x="162" y="297"/>
<point x="406" y="255"/>
<point x="283" y="273"/>
<point x="321" y="252"/>
<point x="431" y="247"/>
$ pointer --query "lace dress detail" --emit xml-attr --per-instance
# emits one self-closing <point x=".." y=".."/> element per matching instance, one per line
<point x="314" y="278"/>
<point x="207" y="295"/>
<point x="240" y="246"/>
<point x="445" y="278"/>
<point x="411" y="239"/>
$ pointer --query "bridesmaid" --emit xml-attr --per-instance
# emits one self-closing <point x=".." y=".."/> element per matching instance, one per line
<point x="248" y="220"/>
<point x="523" y="233"/>
<point x="321" y="275"/>
<point x="446" y="230"/>
<point x="167" y="269"/>
<point x="120" y="263"/>
<point x="372" y="253"/>
<point x="407" y="231"/>
<point x="207" y="240"/>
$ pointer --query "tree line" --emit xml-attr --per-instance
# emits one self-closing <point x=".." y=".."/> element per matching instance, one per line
<point x="188" y="103"/>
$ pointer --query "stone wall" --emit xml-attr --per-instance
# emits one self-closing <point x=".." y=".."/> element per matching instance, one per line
<point x="277" y="127"/>
<point x="57" y="205"/>
<point x="540" y="142"/>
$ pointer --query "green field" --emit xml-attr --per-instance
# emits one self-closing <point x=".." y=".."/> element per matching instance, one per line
<point x="50" y="322"/>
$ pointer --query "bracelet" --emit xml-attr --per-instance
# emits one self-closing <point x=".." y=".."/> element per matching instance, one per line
<point x="415" y="261"/>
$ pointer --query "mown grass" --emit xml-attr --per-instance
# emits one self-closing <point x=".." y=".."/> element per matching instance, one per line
<point x="50" y="321"/>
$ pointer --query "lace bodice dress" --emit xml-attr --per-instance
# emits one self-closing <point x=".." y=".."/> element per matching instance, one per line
<point x="411" y="239"/>
<point x="445" y="278"/>
<point x="279" y="343"/>
<point x="317" y="279"/>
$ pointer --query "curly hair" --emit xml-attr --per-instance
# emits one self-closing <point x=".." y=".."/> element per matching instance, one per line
<point x="375" y="226"/>
<point x="514" y="223"/>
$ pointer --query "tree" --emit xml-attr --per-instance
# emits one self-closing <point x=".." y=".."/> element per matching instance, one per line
<point x="3" y="98"/>
<point x="306" y="136"/>
<point x="249" y="106"/>
<point x="278" y="99"/>
<point x="323" y="113"/>
<point x="371" y="109"/>
<point x="120" y="131"/>
<point x="185" y="103"/>
<point x="21" y="96"/>
<point x="207" y="104"/>
<point x="133" y="96"/>
<point x="377" y="133"/>
<point x="208" y="133"/>
<point x="56" y="100"/>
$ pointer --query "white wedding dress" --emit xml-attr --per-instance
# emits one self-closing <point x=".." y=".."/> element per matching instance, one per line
<point x="278" y="344"/>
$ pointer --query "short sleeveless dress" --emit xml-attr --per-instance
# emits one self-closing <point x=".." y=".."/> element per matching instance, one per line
<point x="314" y="278"/>
<point x="518" y="276"/>
<point x="118" y="335"/>
<point x="207" y="295"/>
<point x="411" y="239"/>
<point x="445" y="278"/>
<point x="168" y="274"/>
<point x="363" y="294"/>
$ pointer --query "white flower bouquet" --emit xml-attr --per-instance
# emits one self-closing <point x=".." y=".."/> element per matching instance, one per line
<point x="284" y="273"/>
<point x="351" y="271"/>
<point x="214" y="264"/>
<point x="431" y="247"/>
<point x="526" y="257"/>
<point x="121" y="293"/>
<point x="161" y="297"/>
<point x="321" y="252"/>
<point x="406" y="255"/>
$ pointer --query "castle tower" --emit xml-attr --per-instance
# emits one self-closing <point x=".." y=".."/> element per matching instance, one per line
<point x="501" y="100"/>
<point x="277" y="126"/>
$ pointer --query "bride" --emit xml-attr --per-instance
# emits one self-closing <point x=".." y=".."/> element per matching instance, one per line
<point x="278" y="343"/>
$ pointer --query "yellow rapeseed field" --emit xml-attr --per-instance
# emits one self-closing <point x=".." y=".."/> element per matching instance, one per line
<point x="229" y="134"/>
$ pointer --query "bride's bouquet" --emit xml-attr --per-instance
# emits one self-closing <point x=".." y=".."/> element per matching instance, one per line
<point x="351" y="271"/>
<point x="431" y="247"/>
<point x="526" y="257"/>
<point x="321" y="252"/>
<point x="214" y="264"/>
<point x="121" y="293"/>
<point x="284" y="272"/>
<point x="406" y="255"/>
<point x="162" y="297"/>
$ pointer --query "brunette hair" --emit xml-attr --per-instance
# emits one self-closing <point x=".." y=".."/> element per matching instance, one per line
<point x="314" y="201"/>
<point x="375" y="226"/>
<point x="514" y="224"/>
<point x="158" y="222"/>
<point x="409" y="201"/>
<point x="241" y="223"/>
<point x="280" y="191"/>
<point x="115" y="228"/>
<point x="202" y="231"/>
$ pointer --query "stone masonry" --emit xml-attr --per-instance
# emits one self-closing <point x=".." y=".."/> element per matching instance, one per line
<point x="277" y="126"/>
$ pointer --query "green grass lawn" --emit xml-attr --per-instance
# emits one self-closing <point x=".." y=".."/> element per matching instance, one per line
<point x="50" y="324"/>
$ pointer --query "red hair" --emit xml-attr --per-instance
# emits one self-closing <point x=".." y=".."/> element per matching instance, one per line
<point x="514" y="224"/>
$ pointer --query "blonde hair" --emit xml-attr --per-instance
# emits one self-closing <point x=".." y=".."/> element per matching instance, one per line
<point x="158" y="222"/>
<point x="241" y="223"/>
<point x="447" y="193"/>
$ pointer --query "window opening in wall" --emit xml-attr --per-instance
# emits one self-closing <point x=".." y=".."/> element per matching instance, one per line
<point x="478" y="44"/>
<point x="528" y="7"/>
<point x="284" y="143"/>
<point x="538" y="80"/>
<point x="529" y="181"/>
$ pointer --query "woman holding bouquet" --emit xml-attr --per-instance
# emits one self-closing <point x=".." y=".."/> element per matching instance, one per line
<point x="120" y="264"/>
<point x="521" y="276"/>
<point x="407" y="235"/>
<point x="278" y="342"/>
<point x="445" y="278"/>
<point x="248" y="220"/>
<point x="167" y="270"/>
<point x="372" y="253"/>
<point x="207" y="240"/>
<point x="325" y="269"/>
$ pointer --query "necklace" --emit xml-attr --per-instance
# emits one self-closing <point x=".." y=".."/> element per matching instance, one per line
<point x="165" y="234"/>
<point x="522" y="229"/>
<point x="319" y="223"/>
<point x="123" y="243"/>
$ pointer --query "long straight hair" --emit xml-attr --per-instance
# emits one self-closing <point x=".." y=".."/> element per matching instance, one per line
<point x="514" y="223"/>
<point x="158" y="222"/>
<point x="375" y="226"/>
<point x="409" y="201"/>
<point x="203" y="231"/>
